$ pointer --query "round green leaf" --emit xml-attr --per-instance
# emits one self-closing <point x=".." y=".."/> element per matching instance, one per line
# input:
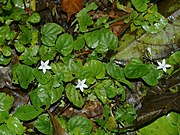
<point x="83" y="125"/>
<point x="64" y="44"/>
<point x="6" y="51"/>
<point x="5" y="131"/>
<point x="15" y="125"/>
<point x="47" y="52"/>
<point x="102" y="40"/>
<point x="79" y="43"/>
<point x="49" y="33"/>
<point x="27" y="112"/>
<point x="74" y="96"/>
<point x="136" y="69"/>
<point x="40" y="97"/>
<point x="140" y="5"/>
<point x="165" y="125"/>
<point x="93" y="69"/>
<point x="154" y="22"/>
<point x="6" y="103"/>
<point x="19" y="47"/>
<point x="34" y="18"/>
<point x="4" y="60"/>
<point x="151" y="78"/>
<point x="43" y="124"/>
<point x="25" y="76"/>
<point x="41" y="78"/>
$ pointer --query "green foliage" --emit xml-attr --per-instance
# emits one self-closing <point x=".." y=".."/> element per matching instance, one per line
<point x="140" y="5"/>
<point x="125" y="114"/>
<point x="83" y="17"/>
<point x="43" y="124"/>
<point x="74" y="96"/>
<point x="79" y="125"/>
<point x="101" y="40"/>
<point x="49" y="33"/>
<point x="13" y="123"/>
<point x="6" y="104"/>
<point x="136" y="69"/>
<point x="24" y="75"/>
<point x="86" y="54"/>
<point x="27" y="112"/>
<point x="64" y="44"/>
<point x="164" y="125"/>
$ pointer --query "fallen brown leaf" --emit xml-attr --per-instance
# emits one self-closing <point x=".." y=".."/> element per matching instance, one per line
<point x="71" y="7"/>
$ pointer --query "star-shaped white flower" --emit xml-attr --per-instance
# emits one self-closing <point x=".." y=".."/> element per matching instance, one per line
<point x="81" y="84"/>
<point x="44" y="66"/>
<point x="163" y="65"/>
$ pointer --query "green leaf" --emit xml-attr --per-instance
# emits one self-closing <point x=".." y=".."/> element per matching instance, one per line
<point x="74" y="96"/>
<point x="93" y="69"/>
<point x="101" y="40"/>
<point x="79" y="42"/>
<point x="4" y="60"/>
<point x="4" y="32"/>
<point x="19" y="47"/>
<point x="40" y="97"/>
<point x="83" y="125"/>
<point x="27" y="112"/>
<point x="41" y="78"/>
<point x="115" y="71"/>
<point x="25" y="35"/>
<point x="136" y="69"/>
<point x="165" y="125"/>
<point x="152" y="77"/>
<point x="111" y="123"/>
<point x="25" y="76"/>
<point x="125" y="114"/>
<point x="44" y="125"/>
<point x="5" y="131"/>
<point x="154" y="22"/>
<point x="64" y="70"/>
<point x="46" y="94"/>
<point x="47" y="52"/>
<point x="101" y="93"/>
<point x="18" y="14"/>
<point x="102" y="20"/>
<point x="64" y="44"/>
<point x="34" y="18"/>
<point x="6" y="103"/>
<point x="15" y="125"/>
<point x="83" y="17"/>
<point x="174" y="58"/>
<point x="140" y="5"/>
<point x="49" y="33"/>
<point x="6" y="50"/>
<point x="29" y="56"/>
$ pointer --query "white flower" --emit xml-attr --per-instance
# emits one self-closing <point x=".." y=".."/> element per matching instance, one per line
<point x="44" y="66"/>
<point x="81" y="84"/>
<point x="163" y="65"/>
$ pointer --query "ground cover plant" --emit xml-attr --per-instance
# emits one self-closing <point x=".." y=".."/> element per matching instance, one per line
<point x="89" y="67"/>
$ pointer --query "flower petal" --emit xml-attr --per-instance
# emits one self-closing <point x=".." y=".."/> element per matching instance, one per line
<point x="168" y="66"/>
<point x="163" y="62"/>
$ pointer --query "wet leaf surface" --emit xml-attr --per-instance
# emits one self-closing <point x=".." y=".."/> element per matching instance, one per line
<point x="162" y="45"/>
<point x="159" y="100"/>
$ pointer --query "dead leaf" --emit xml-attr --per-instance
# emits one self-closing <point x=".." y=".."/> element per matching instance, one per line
<point x="159" y="100"/>
<point x="161" y="44"/>
<point x="71" y="7"/>
<point x="157" y="106"/>
<point x="57" y="129"/>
